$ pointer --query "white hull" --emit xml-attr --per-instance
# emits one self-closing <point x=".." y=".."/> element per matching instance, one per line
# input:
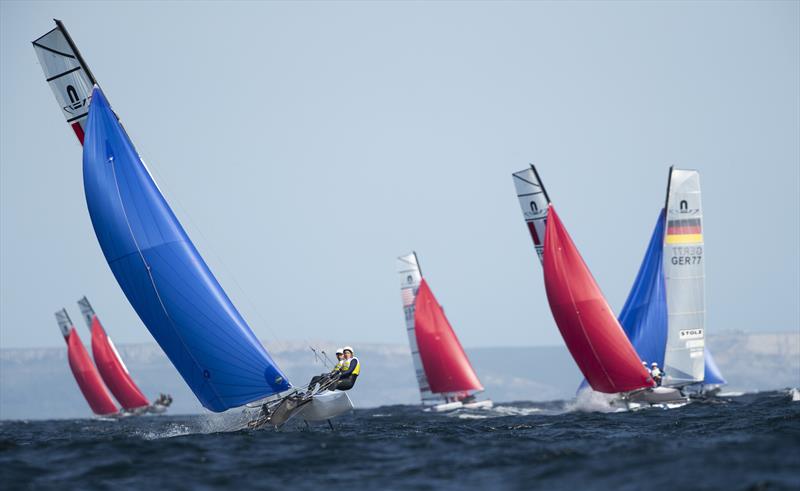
<point x="452" y="406"/>
<point x="327" y="405"/>
<point x="665" y="397"/>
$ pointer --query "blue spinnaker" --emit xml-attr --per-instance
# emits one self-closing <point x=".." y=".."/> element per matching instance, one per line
<point x="644" y="315"/>
<point x="162" y="274"/>
<point x="712" y="374"/>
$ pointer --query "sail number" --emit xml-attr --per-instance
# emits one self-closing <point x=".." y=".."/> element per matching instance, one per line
<point x="685" y="256"/>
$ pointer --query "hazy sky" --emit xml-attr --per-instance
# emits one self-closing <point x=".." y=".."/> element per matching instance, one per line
<point x="306" y="145"/>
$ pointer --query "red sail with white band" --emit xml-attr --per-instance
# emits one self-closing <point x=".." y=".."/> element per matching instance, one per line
<point x="84" y="370"/>
<point x="109" y="363"/>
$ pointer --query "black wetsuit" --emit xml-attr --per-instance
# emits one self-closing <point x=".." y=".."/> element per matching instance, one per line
<point x="347" y="379"/>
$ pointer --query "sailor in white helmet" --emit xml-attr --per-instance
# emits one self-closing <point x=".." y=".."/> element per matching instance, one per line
<point x="324" y="378"/>
<point x="656" y="373"/>
<point x="350" y="371"/>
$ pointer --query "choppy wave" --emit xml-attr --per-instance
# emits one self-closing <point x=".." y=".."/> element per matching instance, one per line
<point x="746" y="442"/>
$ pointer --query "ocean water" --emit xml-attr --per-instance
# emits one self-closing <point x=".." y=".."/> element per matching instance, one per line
<point x="746" y="442"/>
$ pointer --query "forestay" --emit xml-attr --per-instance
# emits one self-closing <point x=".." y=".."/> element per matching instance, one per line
<point x="165" y="278"/>
<point x="684" y="275"/>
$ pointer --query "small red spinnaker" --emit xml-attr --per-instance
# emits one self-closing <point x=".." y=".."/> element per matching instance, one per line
<point x="109" y="363"/>
<point x="446" y="365"/>
<point x="84" y="370"/>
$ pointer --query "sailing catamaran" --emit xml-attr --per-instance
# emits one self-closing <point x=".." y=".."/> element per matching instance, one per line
<point x="592" y="334"/>
<point x="112" y="369"/>
<point x="83" y="369"/>
<point x="445" y="376"/>
<point x="671" y="334"/>
<point x="158" y="267"/>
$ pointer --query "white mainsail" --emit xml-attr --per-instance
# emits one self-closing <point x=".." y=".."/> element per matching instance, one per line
<point x="68" y="76"/>
<point x="684" y="277"/>
<point x="410" y="278"/>
<point x="533" y="200"/>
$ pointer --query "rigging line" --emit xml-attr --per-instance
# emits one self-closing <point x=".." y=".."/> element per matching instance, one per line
<point x="150" y="275"/>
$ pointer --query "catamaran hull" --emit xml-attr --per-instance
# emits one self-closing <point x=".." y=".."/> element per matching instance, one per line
<point x="327" y="405"/>
<point x="666" y="397"/>
<point x="452" y="406"/>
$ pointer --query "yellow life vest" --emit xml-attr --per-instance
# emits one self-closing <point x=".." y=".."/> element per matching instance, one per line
<point x="338" y="366"/>
<point x="358" y="365"/>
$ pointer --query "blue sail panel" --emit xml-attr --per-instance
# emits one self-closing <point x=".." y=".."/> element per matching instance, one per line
<point x="165" y="279"/>
<point x="644" y="315"/>
<point x="712" y="374"/>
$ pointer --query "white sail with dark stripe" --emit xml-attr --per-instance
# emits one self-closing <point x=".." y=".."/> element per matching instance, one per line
<point x="684" y="277"/>
<point x="533" y="200"/>
<point x="68" y="76"/>
<point x="410" y="279"/>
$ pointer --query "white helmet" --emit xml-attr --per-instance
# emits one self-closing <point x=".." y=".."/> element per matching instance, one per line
<point x="339" y="351"/>
<point x="348" y="348"/>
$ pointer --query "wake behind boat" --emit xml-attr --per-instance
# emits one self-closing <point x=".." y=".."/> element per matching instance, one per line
<point x="445" y="376"/>
<point x="158" y="267"/>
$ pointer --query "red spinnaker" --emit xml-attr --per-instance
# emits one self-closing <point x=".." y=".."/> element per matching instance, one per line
<point x="112" y="370"/>
<point x="589" y="328"/>
<point x="87" y="377"/>
<point x="446" y="365"/>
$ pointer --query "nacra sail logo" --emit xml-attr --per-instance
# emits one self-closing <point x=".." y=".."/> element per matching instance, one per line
<point x="76" y="103"/>
<point x="535" y="211"/>
<point x="683" y="209"/>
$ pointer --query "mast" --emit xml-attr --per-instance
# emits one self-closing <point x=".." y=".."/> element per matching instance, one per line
<point x="541" y="184"/>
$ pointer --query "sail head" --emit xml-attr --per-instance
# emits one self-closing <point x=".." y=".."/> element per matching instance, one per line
<point x="68" y="76"/>
<point x="533" y="201"/>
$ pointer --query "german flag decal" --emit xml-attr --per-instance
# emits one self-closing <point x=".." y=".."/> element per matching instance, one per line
<point x="684" y="231"/>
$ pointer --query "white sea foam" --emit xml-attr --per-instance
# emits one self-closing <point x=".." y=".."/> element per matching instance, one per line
<point x="169" y="432"/>
<point x="589" y="401"/>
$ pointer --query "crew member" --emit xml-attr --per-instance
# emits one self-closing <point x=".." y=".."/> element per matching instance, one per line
<point x="656" y="373"/>
<point x="325" y="377"/>
<point x="348" y="376"/>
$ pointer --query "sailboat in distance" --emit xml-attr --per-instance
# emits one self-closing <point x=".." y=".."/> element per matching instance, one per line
<point x="113" y="370"/>
<point x="590" y="330"/>
<point x="83" y="369"/>
<point x="445" y="376"/>
<point x="161" y="272"/>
